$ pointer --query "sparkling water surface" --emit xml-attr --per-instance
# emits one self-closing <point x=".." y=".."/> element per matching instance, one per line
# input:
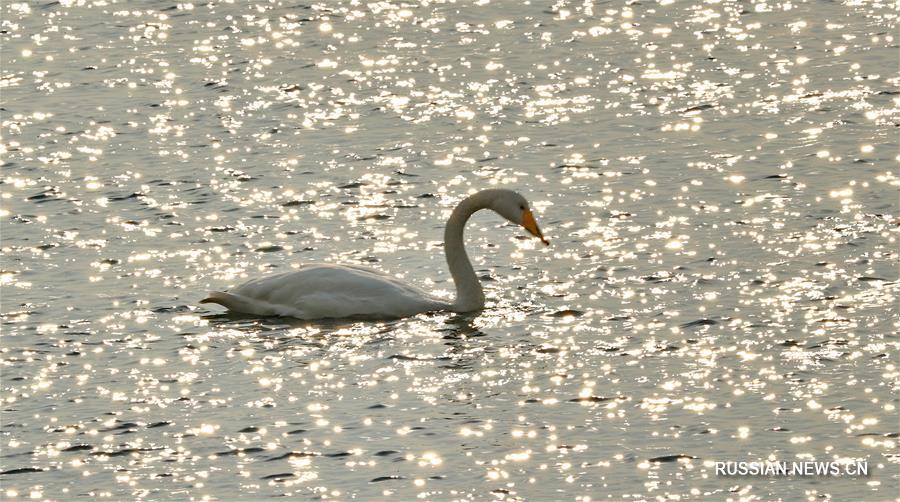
<point x="718" y="180"/>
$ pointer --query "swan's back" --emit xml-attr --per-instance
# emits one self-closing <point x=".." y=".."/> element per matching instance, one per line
<point x="318" y="291"/>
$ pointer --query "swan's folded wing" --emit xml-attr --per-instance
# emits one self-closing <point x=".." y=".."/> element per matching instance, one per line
<point x="239" y="303"/>
<point x="323" y="291"/>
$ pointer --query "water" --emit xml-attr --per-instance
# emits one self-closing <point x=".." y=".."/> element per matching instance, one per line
<point x="718" y="179"/>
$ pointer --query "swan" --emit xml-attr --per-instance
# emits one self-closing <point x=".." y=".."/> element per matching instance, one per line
<point x="320" y="290"/>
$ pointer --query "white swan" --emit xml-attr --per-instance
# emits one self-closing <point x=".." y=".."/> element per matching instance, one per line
<point x="318" y="291"/>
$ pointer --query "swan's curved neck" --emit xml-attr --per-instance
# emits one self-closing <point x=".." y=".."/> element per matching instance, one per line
<point x="469" y="295"/>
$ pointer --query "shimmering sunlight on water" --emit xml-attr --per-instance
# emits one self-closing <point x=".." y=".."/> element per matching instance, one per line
<point x="719" y="180"/>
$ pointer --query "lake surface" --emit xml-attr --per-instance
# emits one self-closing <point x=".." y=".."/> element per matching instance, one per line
<point x="719" y="181"/>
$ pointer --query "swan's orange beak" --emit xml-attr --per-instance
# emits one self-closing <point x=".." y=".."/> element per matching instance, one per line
<point x="532" y="227"/>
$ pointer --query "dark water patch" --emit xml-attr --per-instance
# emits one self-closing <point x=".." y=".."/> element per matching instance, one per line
<point x="379" y="479"/>
<point x="404" y="357"/>
<point x="249" y="429"/>
<point x="296" y="431"/>
<point x="49" y="193"/>
<point x="294" y="454"/>
<point x="172" y="310"/>
<point x="594" y="399"/>
<point x="124" y="426"/>
<point x="133" y="195"/>
<point x="159" y="424"/>
<point x="269" y="249"/>
<point x="699" y="322"/>
<point x="123" y="452"/>
<point x="577" y="166"/>
<point x="356" y="184"/>
<point x="295" y="203"/>
<point x="866" y="278"/>
<point x="698" y="108"/>
<point x="79" y="447"/>
<point x="279" y="477"/>
<point x="361" y="158"/>
<point x="240" y="451"/>
<point x="567" y="313"/>
<point x="23" y="470"/>
<point x="672" y="458"/>
<point x="386" y="453"/>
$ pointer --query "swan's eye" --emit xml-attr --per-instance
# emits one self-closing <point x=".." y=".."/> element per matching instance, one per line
<point x="522" y="207"/>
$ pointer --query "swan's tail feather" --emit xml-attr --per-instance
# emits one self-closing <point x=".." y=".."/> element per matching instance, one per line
<point x="229" y="301"/>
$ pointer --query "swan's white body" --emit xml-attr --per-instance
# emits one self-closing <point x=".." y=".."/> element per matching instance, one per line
<point x="319" y="291"/>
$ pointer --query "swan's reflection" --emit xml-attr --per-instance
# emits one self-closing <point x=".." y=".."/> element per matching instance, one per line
<point x="458" y="342"/>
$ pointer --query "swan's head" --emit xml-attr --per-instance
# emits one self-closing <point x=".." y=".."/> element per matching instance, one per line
<point x="514" y="208"/>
